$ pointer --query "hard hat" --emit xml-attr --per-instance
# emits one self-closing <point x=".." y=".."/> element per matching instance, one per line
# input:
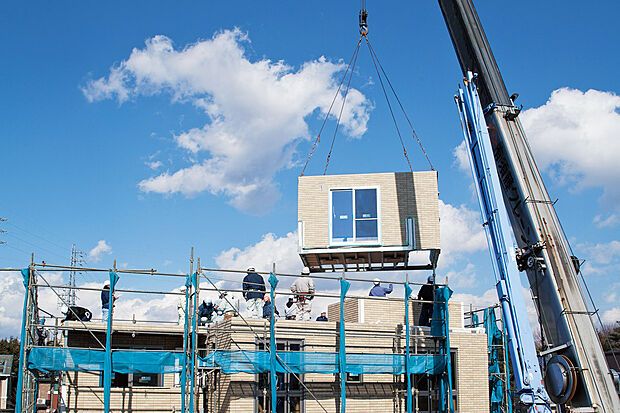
<point x="305" y="271"/>
<point x="267" y="298"/>
<point x="107" y="282"/>
<point x="183" y="289"/>
<point x="377" y="281"/>
<point x="223" y="293"/>
<point x="251" y="269"/>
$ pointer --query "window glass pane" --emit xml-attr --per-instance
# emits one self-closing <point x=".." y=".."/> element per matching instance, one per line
<point x="145" y="380"/>
<point x="366" y="229"/>
<point x="342" y="215"/>
<point x="365" y="203"/>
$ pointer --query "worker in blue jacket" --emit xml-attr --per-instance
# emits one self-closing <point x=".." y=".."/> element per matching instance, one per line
<point x="253" y="292"/>
<point x="378" y="291"/>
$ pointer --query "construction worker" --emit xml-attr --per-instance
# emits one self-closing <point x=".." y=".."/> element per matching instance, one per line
<point x="105" y="301"/>
<point x="427" y="293"/>
<point x="303" y="289"/>
<point x="290" y="309"/>
<point x="254" y="292"/>
<point x="205" y="312"/>
<point x="267" y="308"/>
<point x="223" y="308"/>
<point x="378" y="291"/>
<point x="322" y="317"/>
<point x="181" y="306"/>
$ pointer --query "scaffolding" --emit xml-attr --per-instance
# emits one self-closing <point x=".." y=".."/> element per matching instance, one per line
<point x="195" y="362"/>
<point x="500" y="393"/>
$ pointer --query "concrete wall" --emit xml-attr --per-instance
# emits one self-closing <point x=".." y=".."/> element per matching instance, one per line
<point x="401" y="194"/>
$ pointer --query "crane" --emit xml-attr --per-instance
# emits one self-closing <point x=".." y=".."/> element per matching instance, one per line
<point x="513" y="197"/>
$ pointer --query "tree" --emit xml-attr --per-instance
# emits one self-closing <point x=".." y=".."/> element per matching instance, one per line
<point x="11" y="346"/>
<point x="610" y="337"/>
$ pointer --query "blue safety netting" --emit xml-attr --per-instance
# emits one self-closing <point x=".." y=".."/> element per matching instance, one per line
<point x="48" y="359"/>
<point x="495" y="342"/>
<point x="247" y="361"/>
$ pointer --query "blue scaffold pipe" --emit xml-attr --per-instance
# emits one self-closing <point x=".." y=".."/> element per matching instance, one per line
<point x="22" y="350"/>
<point x="273" y="281"/>
<point x="107" y="364"/>
<point x="409" y="396"/>
<point x="342" y="354"/>
<point x="194" y="338"/>
<point x="188" y="284"/>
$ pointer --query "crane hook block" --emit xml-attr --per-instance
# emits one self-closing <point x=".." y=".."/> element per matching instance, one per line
<point x="363" y="22"/>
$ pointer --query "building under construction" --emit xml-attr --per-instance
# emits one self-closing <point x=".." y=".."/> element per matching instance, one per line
<point x="372" y="354"/>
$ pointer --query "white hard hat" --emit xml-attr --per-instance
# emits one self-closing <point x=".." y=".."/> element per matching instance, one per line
<point x="377" y="281"/>
<point x="251" y="269"/>
<point x="305" y="271"/>
<point x="107" y="282"/>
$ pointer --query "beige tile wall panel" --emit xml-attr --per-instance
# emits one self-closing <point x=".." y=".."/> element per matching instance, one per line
<point x="388" y="311"/>
<point x="401" y="195"/>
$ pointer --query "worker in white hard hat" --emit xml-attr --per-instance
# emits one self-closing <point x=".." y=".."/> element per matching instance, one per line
<point x="181" y="306"/>
<point x="224" y="308"/>
<point x="378" y="291"/>
<point x="303" y="289"/>
<point x="254" y="293"/>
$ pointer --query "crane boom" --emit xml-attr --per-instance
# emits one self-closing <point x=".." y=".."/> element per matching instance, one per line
<point x="576" y="375"/>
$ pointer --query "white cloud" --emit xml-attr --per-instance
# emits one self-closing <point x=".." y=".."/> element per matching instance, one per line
<point x="99" y="250"/>
<point x="461" y="159"/>
<point x="154" y="164"/>
<point x="575" y="136"/>
<point x="270" y="249"/>
<point x="607" y="222"/>
<point x="255" y="112"/>
<point x="461" y="232"/>
<point x="463" y="278"/>
<point x="611" y="316"/>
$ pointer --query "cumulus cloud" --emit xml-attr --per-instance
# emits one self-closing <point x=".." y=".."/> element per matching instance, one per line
<point x="575" y="136"/>
<point x="255" y="112"/>
<point x="461" y="159"/>
<point x="608" y="221"/>
<point x="270" y="249"/>
<point x="102" y="248"/>
<point x="461" y="232"/>
<point x="611" y="316"/>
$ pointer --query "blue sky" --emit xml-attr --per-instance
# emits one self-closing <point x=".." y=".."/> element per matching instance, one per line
<point x="80" y="146"/>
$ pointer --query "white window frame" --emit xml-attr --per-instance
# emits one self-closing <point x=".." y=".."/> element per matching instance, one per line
<point x="354" y="241"/>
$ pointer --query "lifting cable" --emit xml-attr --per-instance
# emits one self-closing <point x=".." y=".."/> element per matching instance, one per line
<point x="374" y="62"/>
<point x="414" y="134"/>
<point x="344" y="100"/>
<point x="379" y="69"/>
<point x="318" y="137"/>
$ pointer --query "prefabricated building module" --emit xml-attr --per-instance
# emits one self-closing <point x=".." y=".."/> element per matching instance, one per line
<point x="369" y="222"/>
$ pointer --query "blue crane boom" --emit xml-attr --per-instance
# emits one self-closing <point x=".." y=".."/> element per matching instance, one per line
<point x="576" y="375"/>
<point x="527" y="375"/>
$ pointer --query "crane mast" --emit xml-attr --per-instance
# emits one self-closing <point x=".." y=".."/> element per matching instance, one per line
<point x="576" y="377"/>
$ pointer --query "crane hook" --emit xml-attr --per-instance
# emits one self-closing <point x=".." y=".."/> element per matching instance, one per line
<point x="363" y="22"/>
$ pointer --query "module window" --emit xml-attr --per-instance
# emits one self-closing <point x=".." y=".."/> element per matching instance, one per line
<point x="354" y="216"/>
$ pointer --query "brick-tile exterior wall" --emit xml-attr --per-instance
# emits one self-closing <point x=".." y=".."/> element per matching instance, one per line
<point x="401" y="195"/>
